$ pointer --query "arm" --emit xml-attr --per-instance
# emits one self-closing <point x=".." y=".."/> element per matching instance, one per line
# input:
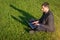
<point x="50" y="25"/>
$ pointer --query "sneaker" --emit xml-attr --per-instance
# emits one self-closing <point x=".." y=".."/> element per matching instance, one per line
<point x="31" y="31"/>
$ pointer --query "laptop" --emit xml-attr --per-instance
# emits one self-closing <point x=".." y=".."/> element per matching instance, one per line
<point x="31" y="25"/>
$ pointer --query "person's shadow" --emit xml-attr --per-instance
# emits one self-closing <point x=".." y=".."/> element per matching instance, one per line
<point x="22" y="19"/>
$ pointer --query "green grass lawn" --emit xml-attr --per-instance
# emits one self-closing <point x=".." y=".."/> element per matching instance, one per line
<point x="13" y="14"/>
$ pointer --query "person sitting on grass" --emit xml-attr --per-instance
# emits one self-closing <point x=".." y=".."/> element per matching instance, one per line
<point x="46" y="22"/>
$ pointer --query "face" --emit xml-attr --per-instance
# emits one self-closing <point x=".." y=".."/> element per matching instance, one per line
<point x="44" y="8"/>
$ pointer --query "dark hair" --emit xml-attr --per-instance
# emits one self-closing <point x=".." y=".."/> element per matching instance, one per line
<point x="45" y="4"/>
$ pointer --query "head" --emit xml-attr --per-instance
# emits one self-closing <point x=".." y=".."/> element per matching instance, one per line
<point x="45" y="7"/>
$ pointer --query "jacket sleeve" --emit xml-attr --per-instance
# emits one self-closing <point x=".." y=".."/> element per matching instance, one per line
<point x="50" y="25"/>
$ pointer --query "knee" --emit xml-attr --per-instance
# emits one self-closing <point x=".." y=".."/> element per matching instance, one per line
<point x="51" y="30"/>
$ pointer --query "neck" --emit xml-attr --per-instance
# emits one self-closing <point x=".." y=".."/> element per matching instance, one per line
<point x="46" y="10"/>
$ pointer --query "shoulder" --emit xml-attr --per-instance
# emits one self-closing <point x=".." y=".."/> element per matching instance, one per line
<point x="50" y="13"/>
<point x="51" y="16"/>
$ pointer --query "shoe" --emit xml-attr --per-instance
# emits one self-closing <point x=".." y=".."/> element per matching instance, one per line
<point x="31" y="31"/>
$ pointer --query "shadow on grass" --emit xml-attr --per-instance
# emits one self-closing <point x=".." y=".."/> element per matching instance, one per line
<point x="22" y="19"/>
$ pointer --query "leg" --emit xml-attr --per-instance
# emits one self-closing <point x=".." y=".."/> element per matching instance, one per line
<point x="39" y="28"/>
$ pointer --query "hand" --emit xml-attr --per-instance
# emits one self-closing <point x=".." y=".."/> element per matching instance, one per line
<point x="35" y="22"/>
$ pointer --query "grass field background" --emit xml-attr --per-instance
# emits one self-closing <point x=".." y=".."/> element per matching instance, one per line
<point x="13" y="14"/>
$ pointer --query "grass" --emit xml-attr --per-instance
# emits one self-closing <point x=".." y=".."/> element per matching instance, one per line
<point x="12" y="19"/>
